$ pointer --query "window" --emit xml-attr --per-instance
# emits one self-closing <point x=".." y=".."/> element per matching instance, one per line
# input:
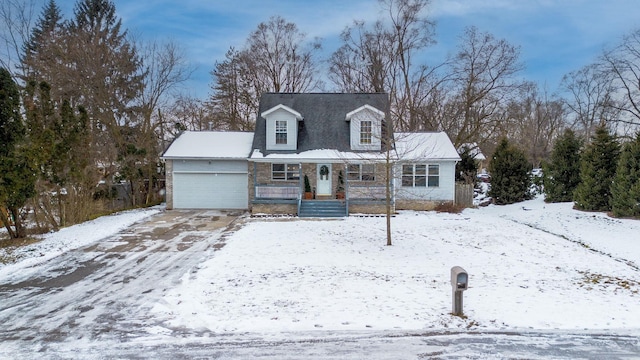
<point x="281" y="131"/>
<point x="365" y="131"/>
<point x="285" y="171"/>
<point x="434" y="176"/>
<point x="419" y="175"/>
<point x="361" y="172"/>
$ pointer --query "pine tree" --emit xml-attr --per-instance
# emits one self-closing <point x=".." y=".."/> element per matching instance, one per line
<point x="562" y="173"/>
<point x="106" y="80"/>
<point x="597" y="170"/>
<point x="467" y="167"/>
<point x="510" y="178"/>
<point x="17" y="180"/>
<point x="625" y="190"/>
<point x="12" y="129"/>
<point x="40" y="50"/>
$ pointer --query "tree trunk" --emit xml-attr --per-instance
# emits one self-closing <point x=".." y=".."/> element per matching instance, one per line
<point x="388" y="198"/>
<point x="5" y="221"/>
<point x="20" y="232"/>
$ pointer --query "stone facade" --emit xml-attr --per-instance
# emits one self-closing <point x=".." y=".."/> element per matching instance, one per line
<point x="260" y="174"/>
<point x="376" y="208"/>
<point x="419" y="205"/>
<point x="275" y="209"/>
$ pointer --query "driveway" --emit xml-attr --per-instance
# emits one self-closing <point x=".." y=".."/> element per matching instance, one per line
<point x="105" y="291"/>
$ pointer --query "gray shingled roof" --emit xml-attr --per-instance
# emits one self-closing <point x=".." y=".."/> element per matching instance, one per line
<point x="324" y="125"/>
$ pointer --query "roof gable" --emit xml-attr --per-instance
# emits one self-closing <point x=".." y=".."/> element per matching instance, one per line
<point x="281" y="107"/>
<point x="364" y="107"/>
<point x="425" y="146"/>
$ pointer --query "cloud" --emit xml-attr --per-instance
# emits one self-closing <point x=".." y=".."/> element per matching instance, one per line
<point x="555" y="36"/>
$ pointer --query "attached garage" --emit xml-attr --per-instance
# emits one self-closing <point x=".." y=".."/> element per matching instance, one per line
<point x="218" y="188"/>
<point x="208" y="170"/>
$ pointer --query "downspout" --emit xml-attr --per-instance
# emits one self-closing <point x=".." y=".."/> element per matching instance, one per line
<point x="346" y="192"/>
<point x="300" y="184"/>
<point x="255" y="182"/>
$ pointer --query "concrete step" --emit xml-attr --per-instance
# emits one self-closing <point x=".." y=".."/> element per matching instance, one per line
<point x="322" y="208"/>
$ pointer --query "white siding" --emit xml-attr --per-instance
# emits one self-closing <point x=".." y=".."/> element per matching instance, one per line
<point x="210" y="166"/>
<point x="292" y="130"/>
<point x="445" y="192"/>
<point x="376" y="140"/>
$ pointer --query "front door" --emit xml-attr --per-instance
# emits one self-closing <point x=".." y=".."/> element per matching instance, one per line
<point x="323" y="187"/>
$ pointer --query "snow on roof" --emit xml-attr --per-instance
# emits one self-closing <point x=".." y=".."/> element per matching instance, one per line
<point x="364" y="107"/>
<point x="210" y="144"/>
<point x="433" y="145"/>
<point x="474" y="150"/>
<point x="319" y="155"/>
<point x="283" y="107"/>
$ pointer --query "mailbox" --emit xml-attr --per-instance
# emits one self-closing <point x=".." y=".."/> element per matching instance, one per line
<point x="459" y="279"/>
<point x="459" y="283"/>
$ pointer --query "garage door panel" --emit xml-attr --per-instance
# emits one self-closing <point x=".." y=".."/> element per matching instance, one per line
<point x="210" y="191"/>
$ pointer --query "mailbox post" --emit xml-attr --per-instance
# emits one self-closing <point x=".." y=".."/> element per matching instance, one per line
<point x="459" y="283"/>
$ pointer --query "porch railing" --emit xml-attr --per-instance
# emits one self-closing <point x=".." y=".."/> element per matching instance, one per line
<point x="277" y="192"/>
<point x="371" y="193"/>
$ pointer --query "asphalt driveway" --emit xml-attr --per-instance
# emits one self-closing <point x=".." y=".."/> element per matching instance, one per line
<point x="105" y="291"/>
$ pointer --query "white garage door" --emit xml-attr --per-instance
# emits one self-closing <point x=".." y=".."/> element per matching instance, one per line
<point x="210" y="191"/>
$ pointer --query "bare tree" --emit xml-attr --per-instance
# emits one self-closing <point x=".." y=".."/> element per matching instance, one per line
<point x="622" y="63"/>
<point x="16" y="19"/>
<point x="280" y="59"/>
<point x="412" y="32"/>
<point x="276" y="58"/>
<point x="590" y="99"/>
<point x="483" y="74"/>
<point x="533" y="121"/>
<point x="382" y="59"/>
<point x="165" y="69"/>
<point x="187" y="113"/>
<point x="364" y="62"/>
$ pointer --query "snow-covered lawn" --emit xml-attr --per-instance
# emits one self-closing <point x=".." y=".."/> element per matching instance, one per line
<point x="73" y="237"/>
<point x="531" y="265"/>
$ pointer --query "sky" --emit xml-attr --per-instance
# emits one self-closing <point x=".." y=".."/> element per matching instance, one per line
<point x="554" y="36"/>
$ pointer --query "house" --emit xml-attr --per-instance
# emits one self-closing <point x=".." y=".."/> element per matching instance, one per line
<point x="344" y="145"/>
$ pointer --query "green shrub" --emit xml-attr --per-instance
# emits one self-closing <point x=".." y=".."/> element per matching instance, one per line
<point x="509" y="169"/>
<point x="597" y="169"/>
<point x="562" y="172"/>
<point x="625" y="190"/>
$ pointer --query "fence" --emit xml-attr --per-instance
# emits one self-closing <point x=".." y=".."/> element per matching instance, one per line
<point x="464" y="194"/>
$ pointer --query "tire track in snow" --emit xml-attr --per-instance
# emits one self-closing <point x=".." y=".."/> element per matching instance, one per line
<point x="629" y="263"/>
<point x="105" y="290"/>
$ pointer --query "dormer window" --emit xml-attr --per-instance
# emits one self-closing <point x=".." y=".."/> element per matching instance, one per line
<point x="365" y="132"/>
<point x="281" y="132"/>
<point x="365" y="128"/>
<point x="282" y="127"/>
